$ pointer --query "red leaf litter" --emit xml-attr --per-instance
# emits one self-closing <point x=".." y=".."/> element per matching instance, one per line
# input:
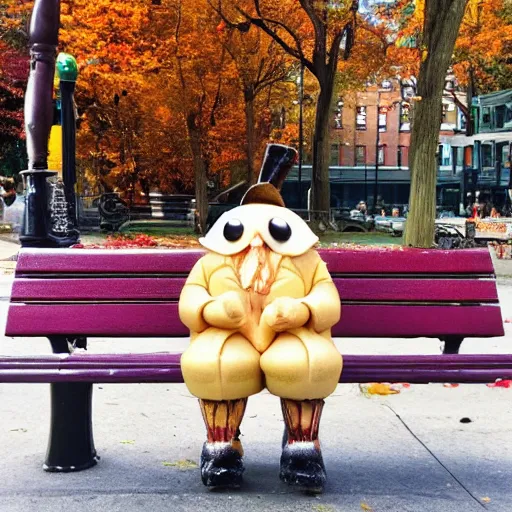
<point x="505" y="383"/>
<point x="141" y="241"/>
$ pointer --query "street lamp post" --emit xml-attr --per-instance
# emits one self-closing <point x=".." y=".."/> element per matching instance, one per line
<point x="301" y="129"/>
<point x="68" y="71"/>
<point x="44" y="28"/>
<point x="377" y="145"/>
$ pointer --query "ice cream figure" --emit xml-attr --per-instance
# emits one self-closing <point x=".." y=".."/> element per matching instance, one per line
<point x="260" y="306"/>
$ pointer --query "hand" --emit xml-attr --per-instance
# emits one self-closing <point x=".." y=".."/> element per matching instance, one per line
<point x="227" y="311"/>
<point x="285" y="313"/>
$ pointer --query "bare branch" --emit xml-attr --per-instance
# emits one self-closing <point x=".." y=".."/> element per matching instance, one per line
<point x="463" y="108"/>
<point x="263" y="24"/>
<point x="318" y="24"/>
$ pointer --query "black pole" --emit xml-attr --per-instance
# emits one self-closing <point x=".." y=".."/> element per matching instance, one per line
<point x="377" y="144"/>
<point x="366" y="184"/>
<point x="301" y="129"/>
<point x="67" y="89"/>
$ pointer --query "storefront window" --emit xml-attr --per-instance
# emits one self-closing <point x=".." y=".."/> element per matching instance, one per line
<point x="487" y="158"/>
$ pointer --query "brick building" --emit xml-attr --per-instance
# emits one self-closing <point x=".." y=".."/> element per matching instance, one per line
<point x="370" y="122"/>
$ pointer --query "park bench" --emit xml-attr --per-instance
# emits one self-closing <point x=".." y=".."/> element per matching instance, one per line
<point x="69" y="295"/>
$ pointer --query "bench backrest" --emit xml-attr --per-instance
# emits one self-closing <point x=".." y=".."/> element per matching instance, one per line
<point x="134" y="293"/>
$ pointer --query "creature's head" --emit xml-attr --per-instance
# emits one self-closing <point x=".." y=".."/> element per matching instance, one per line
<point x="263" y="215"/>
<point x="262" y="230"/>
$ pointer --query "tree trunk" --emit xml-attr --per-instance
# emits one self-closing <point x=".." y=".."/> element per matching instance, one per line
<point x="442" y="23"/>
<point x="250" y="134"/>
<point x="320" y="185"/>
<point x="199" y="164"/>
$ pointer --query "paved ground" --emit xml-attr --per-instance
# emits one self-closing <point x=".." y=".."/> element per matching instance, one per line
<point x="405" y="452"/>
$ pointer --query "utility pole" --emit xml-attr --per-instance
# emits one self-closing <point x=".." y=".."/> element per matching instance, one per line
<point x="377" y="145"/>
<point x="301" y="129"/>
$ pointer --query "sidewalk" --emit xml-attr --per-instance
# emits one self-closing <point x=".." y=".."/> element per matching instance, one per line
<point x="401" y="453"/>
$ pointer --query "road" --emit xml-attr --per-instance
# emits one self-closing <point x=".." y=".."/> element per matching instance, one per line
<point x="398" y="453"/>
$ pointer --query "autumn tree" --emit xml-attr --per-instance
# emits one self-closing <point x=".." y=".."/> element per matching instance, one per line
<point x="13" y="79"/>
<point x="260" y="63"/>
<point x="199" y="75"/>
<point x="315" y="33"/>
<point x="441" y="22"/>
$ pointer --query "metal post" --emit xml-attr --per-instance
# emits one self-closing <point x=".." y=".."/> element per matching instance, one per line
<point x="44" y="29"/>
<point x="377" y="144"/>
<point x="70" y="445"/>
<point x="68" y="72"/>
<point x="36" y="224"/>
<point x="301" y="129"/>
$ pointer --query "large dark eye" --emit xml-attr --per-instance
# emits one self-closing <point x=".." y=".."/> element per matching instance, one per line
<point x="233" y="230"/>
<point x="279" y="229"/>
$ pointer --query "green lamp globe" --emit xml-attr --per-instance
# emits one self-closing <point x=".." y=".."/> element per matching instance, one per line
<point x="67" y="68"/>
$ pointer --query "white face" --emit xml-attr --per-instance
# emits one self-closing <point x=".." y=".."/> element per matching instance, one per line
<point x="281" y="229"/>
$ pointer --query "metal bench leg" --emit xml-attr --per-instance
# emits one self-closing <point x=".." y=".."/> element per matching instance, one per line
<point x="452" y="344"/>
<point x="71" y="444"/>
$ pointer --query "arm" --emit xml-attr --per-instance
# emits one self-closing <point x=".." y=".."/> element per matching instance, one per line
<point x="198" y="310"/>
<point x="323" y="301"/>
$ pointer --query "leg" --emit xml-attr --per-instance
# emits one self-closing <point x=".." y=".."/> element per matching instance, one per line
<point x="302" y="372"/>
<point x="452" y="344"/>
<point x="71" y="445"/>
<point x="302" y="464"/>
<point x="221" y="458"/>
<point x="222" y="371"/>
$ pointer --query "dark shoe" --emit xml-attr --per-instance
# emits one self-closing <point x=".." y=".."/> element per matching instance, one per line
<point x="221" y="466"/>
<point x="303" y="467"/>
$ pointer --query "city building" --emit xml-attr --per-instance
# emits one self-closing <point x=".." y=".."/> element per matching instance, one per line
<point x="370" y="138"/>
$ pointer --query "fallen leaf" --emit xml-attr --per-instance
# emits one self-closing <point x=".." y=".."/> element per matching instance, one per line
<point x="505" y="383"/>
<point x="507" y="321"/>
<point x="366" y="507"/>
<point x="450" y="385"/>
<point x="127" y="441"/>
<point x="486" y="499"/>
<point x="182" y="465"/>
<point x="379" y="388"/>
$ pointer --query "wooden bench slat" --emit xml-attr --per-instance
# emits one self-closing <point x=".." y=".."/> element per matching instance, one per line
<point x="164" y="288"/>
<point x="139" y="288"/>
<point x="388" y="321"/>
<point x="351" y="261"/>
<point x="160" y="320"/>
<point x="137" y="368"/>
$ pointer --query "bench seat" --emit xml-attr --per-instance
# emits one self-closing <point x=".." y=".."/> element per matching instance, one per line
<point x="72" y="294"/>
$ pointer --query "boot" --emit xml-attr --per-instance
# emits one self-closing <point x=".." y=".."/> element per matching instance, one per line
<point x="302" y="464"/>
<point x="221" y="459"/>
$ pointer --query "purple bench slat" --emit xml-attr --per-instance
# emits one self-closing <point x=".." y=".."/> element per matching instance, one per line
<point x="415" y="321"/>
<point x="166" y="368"/>
<point x="372" y="290"/>
<point x="435" y="290"/>
<point x="161" y="320"/>
<point x="165" y="288"/>
<point x="349" y="261"/>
